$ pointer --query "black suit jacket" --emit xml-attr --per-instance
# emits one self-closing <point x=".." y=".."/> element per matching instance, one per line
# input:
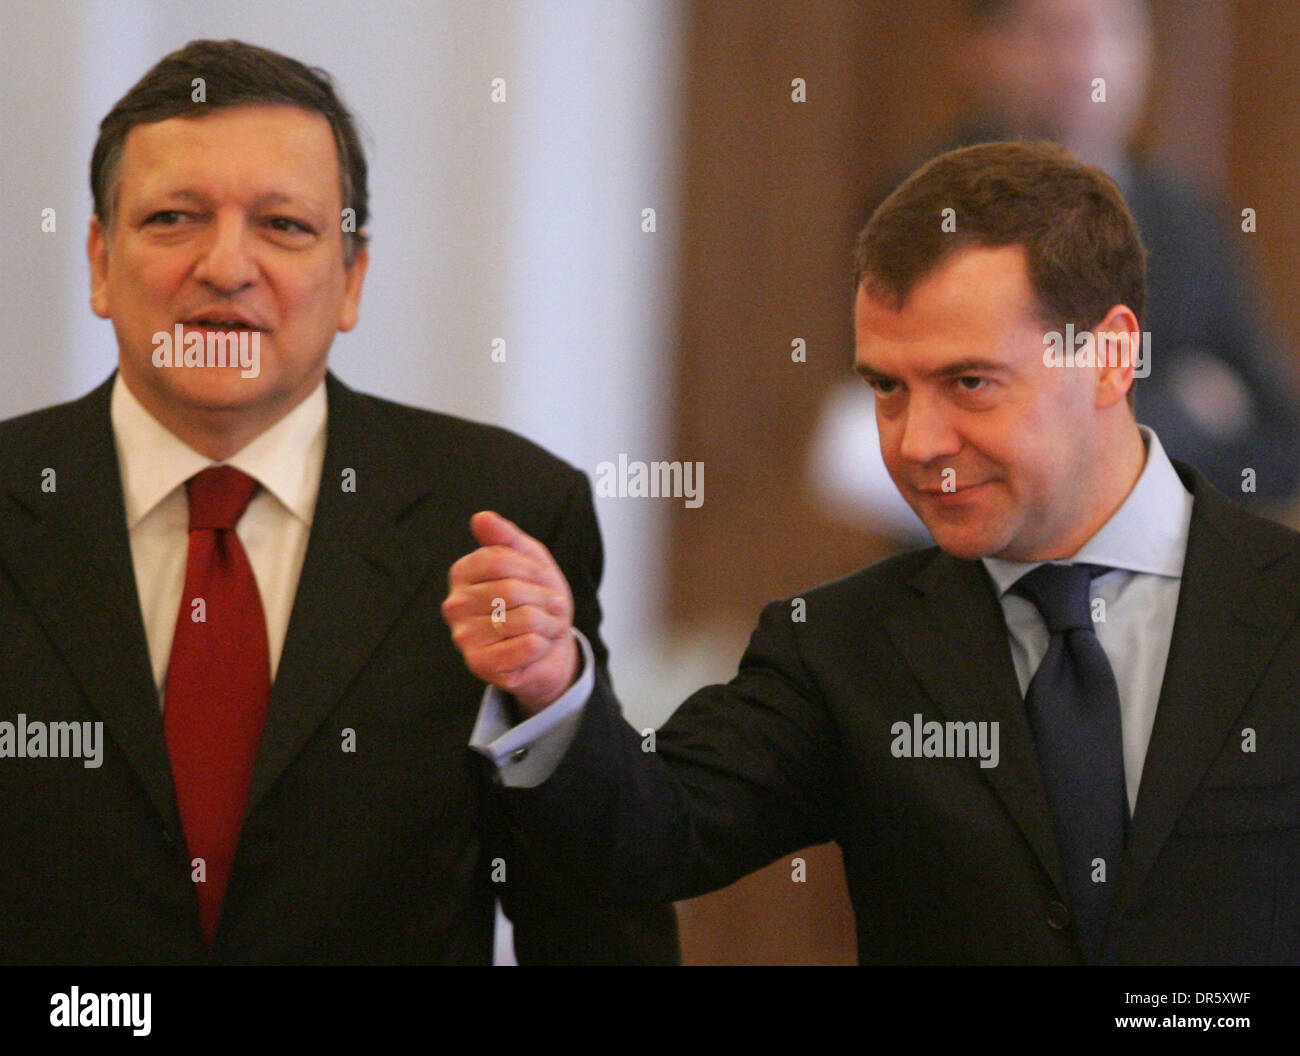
<point x="949" y="862"/>
<point x="383" y="854"/>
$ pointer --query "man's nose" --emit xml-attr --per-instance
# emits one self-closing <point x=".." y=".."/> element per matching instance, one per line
<point x="927" y="430"/>
<point x="227" y="263"/>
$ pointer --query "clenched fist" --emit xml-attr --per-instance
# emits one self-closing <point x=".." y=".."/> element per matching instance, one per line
<point x="510" y="611"/>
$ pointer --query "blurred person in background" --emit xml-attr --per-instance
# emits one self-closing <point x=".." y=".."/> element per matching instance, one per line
<point x="1218" y="394"/>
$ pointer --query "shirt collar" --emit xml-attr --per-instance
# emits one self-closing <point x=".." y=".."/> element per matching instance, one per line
<point x="1148" y="533"/>
<point x="285" y="460"/>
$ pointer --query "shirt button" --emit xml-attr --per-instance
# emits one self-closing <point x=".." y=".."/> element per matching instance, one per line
<point x="519" y="755"/>
<point x="1058" y="916"/>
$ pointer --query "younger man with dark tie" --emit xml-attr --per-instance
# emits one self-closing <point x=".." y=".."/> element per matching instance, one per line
<point x="1070" y="732"/>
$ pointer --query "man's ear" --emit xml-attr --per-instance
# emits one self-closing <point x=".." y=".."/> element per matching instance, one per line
<point x="354" y="277"/>
<point x="1118" y="343"/>
<point x="97" y="253"/>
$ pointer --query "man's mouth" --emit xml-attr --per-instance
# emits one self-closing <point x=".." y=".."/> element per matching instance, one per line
<point x="222" y="322"/>
<point x="947" y="493"/>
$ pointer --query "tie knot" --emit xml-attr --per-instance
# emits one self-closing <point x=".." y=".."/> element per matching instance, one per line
<point x="1061" y="593"/>
<point x="218" y="497"/>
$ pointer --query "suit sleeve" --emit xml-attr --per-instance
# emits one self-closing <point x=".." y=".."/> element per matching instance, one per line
<point x="742" y="774"/>
<point x="555" y="920"/>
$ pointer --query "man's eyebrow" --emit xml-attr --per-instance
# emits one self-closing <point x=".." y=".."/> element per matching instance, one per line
<point x="866" y="370"/>
<point x="184" y="195"/>
<point x="270" y="198"/>
<point x="971" y="365"/>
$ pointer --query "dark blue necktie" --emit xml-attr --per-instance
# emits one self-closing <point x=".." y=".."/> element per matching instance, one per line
<point x="1073" y="706"/>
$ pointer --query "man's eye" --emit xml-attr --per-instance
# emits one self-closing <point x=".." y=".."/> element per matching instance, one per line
<point x="972" y="384"/>
<point x="288" y="224"/>
<point x="166" y="218"/>
<point x="883" y="387"/>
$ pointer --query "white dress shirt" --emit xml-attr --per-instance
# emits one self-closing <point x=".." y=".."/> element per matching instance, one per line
<point x="286" y="460"/>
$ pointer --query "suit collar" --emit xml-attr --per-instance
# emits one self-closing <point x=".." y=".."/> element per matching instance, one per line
<point x="68" y="551"/>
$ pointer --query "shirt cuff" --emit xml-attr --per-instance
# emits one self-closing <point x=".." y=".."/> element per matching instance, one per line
<point x="527" y="754"/>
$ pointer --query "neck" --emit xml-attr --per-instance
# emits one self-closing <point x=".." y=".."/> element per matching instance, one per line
<point x="1110" y="490"/>
<point x="217" y="433"/>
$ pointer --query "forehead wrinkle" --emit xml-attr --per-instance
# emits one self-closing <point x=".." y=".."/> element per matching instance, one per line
<point x="150" y="156"/>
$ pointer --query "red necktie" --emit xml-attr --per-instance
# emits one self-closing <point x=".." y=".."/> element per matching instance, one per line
<point x="218" y="682"/>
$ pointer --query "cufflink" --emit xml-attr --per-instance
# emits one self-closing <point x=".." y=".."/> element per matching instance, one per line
<point x="519" y="755"/>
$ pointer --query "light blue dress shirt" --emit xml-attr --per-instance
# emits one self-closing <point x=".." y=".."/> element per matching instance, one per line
<point x="527" y="754"/>
<point x="1145" y="541"/>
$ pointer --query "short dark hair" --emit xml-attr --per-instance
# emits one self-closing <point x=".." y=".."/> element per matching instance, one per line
<point x="234" y="74"/>
<point x="1082" y="246"/>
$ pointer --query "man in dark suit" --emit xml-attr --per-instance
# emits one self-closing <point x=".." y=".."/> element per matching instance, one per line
<point x="234" y="728"/>
<point x="1069" y="733"/>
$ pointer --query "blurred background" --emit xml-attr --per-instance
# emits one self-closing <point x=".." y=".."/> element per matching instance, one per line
<point x="717" y="327"/>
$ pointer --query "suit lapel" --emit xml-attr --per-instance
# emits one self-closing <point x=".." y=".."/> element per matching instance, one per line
<point x="364" y="559"/>
<point x="70" y="555"/>
<point x="954" y="638"/>
<point x="1231" y="618"/>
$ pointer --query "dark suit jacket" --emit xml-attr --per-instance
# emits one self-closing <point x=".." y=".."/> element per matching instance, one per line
<point x="946" y="861"/>
<point x="384" y="854"/>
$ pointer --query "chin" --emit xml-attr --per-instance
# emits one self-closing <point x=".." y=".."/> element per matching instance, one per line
<point x="223" y="390"/>
<point x="970" y="546"/>
<point x="966" y="552"/>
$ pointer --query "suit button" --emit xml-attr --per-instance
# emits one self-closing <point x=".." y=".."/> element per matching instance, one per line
<point x="1058" y="915"/>
<point x="519" y="755"/>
